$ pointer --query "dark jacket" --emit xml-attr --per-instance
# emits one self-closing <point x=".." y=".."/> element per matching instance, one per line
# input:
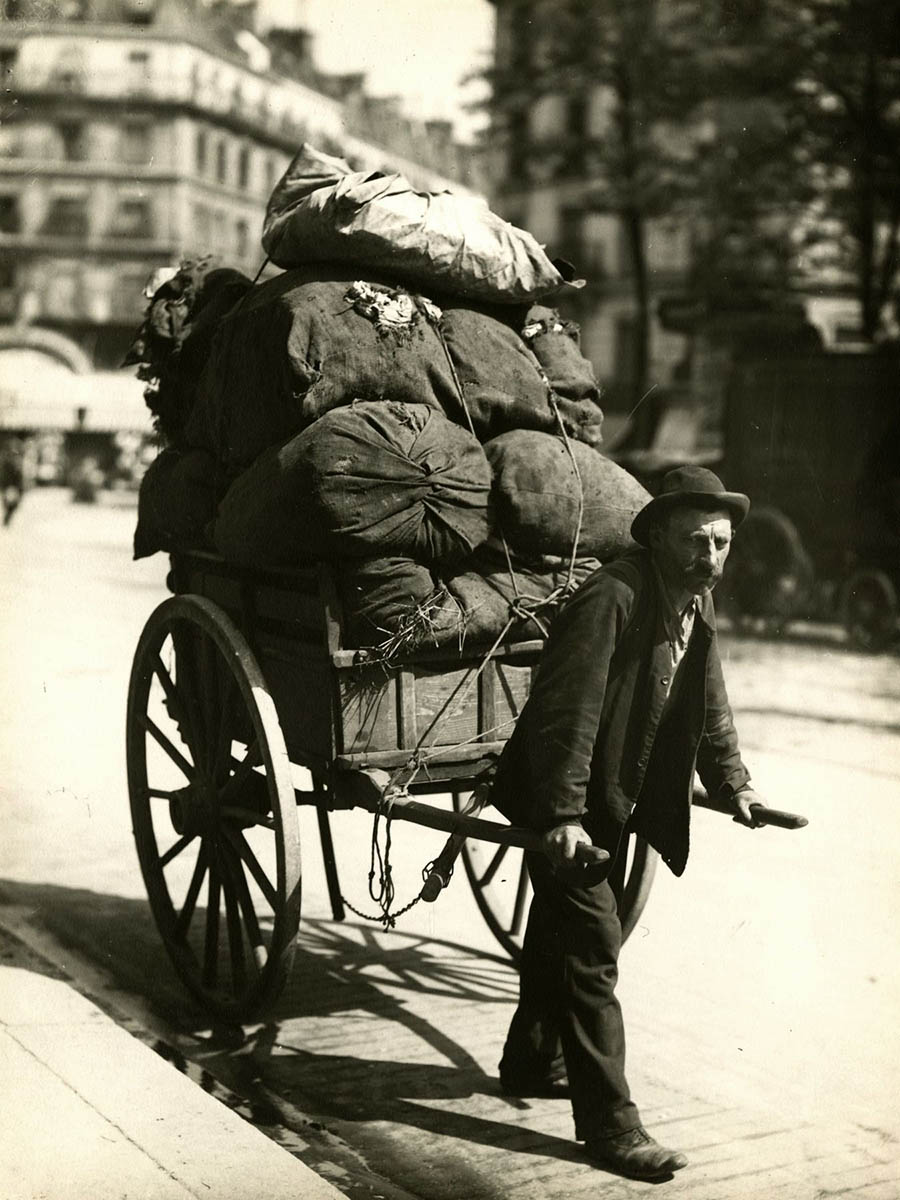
<point x="590" y="744"/>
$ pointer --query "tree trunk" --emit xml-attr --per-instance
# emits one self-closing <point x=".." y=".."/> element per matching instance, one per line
<point x="866" y="215"/>
<point x="643" y="413"/>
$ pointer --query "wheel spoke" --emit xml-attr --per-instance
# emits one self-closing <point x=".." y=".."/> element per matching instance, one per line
<point x="184" y="639"/>
<point x="245" y="900"/>
<point x="176" y="704"/>
<point x="242" y="770"/>
<point x="241" y="845"/>
<point x="222" y="749"/>
<point x="175" y="850"/>
<point x="211" y="941"/>
<point x="161" y="793"/>
<point x="235" y="934"/>
<point x="176" y="756"/>
<point x="493" y="867"/>
<point x="190" y="900"/>
<point x="208" y="674"/>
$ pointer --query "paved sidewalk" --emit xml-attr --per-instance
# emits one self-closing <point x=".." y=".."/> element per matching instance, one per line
<point x="89" y="1111"/>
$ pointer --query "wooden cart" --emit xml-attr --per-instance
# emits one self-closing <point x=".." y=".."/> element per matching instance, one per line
<point x="243" y="704"/>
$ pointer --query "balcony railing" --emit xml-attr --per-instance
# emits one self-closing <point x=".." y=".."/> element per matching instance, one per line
<point x="176" y="90"/>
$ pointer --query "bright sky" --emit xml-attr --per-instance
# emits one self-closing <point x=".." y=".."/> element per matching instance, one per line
<point x="420" y="51"/>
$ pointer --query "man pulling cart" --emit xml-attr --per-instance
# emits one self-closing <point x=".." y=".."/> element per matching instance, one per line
<point x="367" y="561"/>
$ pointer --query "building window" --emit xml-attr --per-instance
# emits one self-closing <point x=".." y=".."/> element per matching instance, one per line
<point x="587" y="253"/>
<point x="577" y="115"/>
<point x="139" y="12"/>
<point x="67" y="217"/>
<point x="138" y="70"/>
<point x="7" y="66"/>
<point x="134" y="218"/>
<point x="517" y="147"/>
<point x="62" y="294"/>
<point x="201" y="151"/>
<point x="221" y="162"/>
<point x="10" y="220"/>
<point x="271" y="173"/>
<point x="625" y="350"/>
<point x="241" y="238"/>
<point x="74" y="143"/>
<point x="243" y="166"/>
<point x="68" y="70"/>
<point x="135" y="142"/>
<point x="202" y="226"/>
<point x="128" y="293"/>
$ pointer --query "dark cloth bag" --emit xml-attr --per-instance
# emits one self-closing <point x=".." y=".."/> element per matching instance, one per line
<point x="298" y="347"/>
<point x="381" y="597"/>
<point x="490" y="594"/>
<point x="384" y="597"/>
<point x="536" y="491"/>
<point x="176" y="502"/>
<point x="502" y="381"/>
<point x="556" y="344"/>
<point x="367" y="479"/>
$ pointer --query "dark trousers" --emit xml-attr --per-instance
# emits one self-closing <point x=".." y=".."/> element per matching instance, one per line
<point x="566" y="1000"/>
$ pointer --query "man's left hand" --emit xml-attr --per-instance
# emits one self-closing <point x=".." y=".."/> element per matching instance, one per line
<point x="741" y="802"/>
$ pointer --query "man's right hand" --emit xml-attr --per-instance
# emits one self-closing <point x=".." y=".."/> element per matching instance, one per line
<point x="559" y="843"/>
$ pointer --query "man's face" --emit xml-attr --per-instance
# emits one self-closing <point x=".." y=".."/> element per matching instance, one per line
<point x="690" y="548"/>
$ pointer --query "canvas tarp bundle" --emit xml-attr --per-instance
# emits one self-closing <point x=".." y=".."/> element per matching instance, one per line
<point x="404" y="604"/>
<point x="536" y="492"/>
<point x="300" y="346"/>
<point x="500" y="379"/>
<point x="370" y="478"/>
<point x="438" y="240"/>
<point x="176" y="502"/>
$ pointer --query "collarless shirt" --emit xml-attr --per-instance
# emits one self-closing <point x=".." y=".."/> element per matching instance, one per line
<point x="677" y="623"/>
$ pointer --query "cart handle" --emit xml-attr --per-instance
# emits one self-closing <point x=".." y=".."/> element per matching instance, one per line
<point x="760" y="813"/>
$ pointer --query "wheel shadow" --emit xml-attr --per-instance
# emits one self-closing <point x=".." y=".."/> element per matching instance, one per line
<point x="343" y="973"/>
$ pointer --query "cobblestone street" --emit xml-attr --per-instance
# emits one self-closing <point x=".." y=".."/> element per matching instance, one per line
<point x="760" y="991"/>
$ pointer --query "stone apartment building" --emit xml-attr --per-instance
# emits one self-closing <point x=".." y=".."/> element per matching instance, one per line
<point x="138" y="132"/>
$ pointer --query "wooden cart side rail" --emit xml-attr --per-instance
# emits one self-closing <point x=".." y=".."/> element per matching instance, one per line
<point x="317" y="582"/>
<point x="447" y="708"/>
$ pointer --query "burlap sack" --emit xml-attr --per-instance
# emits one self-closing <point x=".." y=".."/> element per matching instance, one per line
<point x="367" y="479"/>
<point x="556" y="344"/>
<point x="494" y="593"/>
<point x="299" y="346"/>
<point x="536" y="492"/>
<point x="395" y="603"/>
<point x="176" y="502"/>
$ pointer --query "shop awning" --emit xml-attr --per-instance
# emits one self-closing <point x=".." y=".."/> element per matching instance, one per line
<point x="37" y="392"/>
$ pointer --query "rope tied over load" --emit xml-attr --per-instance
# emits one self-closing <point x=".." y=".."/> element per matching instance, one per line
<point x="522" y="607"/>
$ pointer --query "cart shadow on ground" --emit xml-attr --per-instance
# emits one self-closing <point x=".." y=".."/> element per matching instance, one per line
<point x="343" y="973"/>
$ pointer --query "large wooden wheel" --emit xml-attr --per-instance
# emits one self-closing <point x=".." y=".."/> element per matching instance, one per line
<point x="502" y="889"/>
<point x="768" y="576"/>
<point x="213" y="807"/>
<point x="870" y="609"/>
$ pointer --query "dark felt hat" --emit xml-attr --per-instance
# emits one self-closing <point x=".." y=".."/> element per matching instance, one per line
<point x="688" y="487"/>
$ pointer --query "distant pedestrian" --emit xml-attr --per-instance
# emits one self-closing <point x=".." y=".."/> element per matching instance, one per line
<point x="12" y="479"/>
<point x="628" y="700"/>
